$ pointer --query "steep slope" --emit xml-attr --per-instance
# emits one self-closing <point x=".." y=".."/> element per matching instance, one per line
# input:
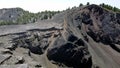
<point x="99" y="29"/>
<point x="10" y="14"/>
<point x="83" y="37"/>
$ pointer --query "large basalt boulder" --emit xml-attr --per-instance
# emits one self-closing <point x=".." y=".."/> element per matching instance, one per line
<point x="71" y="52"/>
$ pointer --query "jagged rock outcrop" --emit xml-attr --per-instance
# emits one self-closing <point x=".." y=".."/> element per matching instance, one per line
<point x="89" y="21"/>
<point x="83" y="37"/>
<point x="71" y="52"/>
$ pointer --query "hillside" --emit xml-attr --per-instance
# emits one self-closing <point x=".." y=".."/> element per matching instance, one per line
<point x="10" y="16"/>
<point x="87" y="36"/>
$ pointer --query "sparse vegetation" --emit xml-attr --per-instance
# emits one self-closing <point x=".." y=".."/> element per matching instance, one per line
<point x="80" y="5"/>
<point x="46" y="14"/>
<point x="28" y="17"/>
<point x="88" y="3"/>
<point x="109" y="7"/>
<point x="6" y="22"/>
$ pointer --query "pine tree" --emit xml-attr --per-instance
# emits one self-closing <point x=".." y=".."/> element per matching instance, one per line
<point x="88" y="3"/>
<point x="80" y="5"/>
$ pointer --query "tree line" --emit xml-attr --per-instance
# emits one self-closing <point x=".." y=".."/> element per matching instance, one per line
<point x="109" y="7"/>
<point x="106" y="6"/>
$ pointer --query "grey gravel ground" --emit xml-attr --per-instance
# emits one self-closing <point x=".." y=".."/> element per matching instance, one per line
<point x="8" y="29"/>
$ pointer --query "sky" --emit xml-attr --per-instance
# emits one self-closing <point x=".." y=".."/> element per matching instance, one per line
<point x="53" y="5"/>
